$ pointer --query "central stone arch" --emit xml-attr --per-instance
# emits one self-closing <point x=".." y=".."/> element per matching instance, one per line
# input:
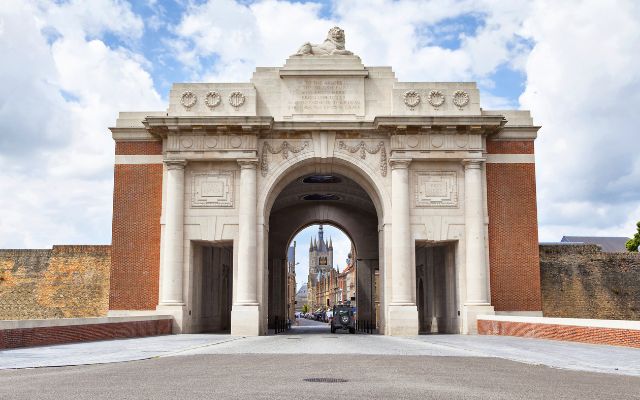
<point x="357" y="208"/>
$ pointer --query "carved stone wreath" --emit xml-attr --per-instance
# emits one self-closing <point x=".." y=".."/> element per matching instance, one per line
<point x="285" y="148"/>
<point x="411" y="98"/>
<point x="460" y="98"/>
<point x="236" y="99"/>
<point x="212" y="99"/>
<point x="435" y="98"/>
<point x="188" y="99"/>
<point x="363" y="149"/>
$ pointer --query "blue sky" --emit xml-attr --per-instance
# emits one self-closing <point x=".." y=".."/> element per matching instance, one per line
<point x="506" y="81"/>
<point x="69" y="66"/>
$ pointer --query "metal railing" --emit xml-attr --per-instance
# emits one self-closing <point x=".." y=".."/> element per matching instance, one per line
<point x="365" y="326"/>
<point x="280" y="325"/>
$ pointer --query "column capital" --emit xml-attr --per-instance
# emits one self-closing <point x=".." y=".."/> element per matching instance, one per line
<point x="473" y="163"/>
<point x="399" y="163"/>
<point x="248" y="163"/>
<point x="175" y="164"/>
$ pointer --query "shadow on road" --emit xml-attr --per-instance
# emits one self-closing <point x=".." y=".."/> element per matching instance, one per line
<point x="310" y="327"/>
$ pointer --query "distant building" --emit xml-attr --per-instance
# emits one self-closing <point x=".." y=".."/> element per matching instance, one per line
<point x="301" y="297"/>
<point x="320" y="265"/>
<point x="291" y="282"/>
<point x="347" y="280"/>
<point x="614" y="244"/>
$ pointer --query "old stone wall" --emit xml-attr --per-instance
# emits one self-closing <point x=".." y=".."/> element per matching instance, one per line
<point x="580" y="281"/>
<point x="63" y="282"/>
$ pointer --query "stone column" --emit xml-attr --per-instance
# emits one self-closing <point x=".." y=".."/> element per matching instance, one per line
<point x="171" y="276"/>
<point x="477" y="301"/>
<point x="403" y="313"/>
<point x="171" y="298"/>
<point x="245" y="312"/>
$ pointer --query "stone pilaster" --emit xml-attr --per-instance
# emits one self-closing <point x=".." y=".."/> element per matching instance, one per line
<point x="245" y="314"/>
<point x="403" y="313"/>
<point x="477" y="301"/>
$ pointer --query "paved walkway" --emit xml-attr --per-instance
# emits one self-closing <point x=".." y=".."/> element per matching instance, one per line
<point x="315" y="338"/>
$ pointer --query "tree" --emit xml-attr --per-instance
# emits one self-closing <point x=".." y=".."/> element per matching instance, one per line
<point x="633" y="243"/>
<point x="305" y="308"/>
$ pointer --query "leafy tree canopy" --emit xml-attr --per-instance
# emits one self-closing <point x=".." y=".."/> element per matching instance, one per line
<point x="633" y="243"/>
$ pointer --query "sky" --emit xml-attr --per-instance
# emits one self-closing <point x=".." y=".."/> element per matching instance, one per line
<point x="68" y="67"/>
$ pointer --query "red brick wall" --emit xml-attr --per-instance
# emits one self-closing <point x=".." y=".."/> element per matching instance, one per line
<point x="510" y="147"/>
<point x="513" y="231"/>
<point x="42" y="336"/>
<point x="139" y="148"/>
<point x="610" y="336"/>
<point x="135" y="257"/>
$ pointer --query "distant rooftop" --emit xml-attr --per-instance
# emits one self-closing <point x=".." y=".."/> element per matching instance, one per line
<point x="607" y="244"/>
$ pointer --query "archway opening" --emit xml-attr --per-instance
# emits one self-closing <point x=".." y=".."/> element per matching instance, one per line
<point x="321" y="274"/>
<point x="436" y="287"/>
<point x="212" y="289"/>
<point x="337" y="203"/>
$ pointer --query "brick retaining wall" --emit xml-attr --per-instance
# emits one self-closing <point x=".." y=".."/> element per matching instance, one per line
<point x="600" y="331"/>
<point x="60" y="334"/>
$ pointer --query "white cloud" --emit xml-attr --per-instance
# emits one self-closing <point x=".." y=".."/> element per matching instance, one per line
<point x="60" y="92"/>
<point x="239" y="37"/>
<point x="65" y="84"/>
<point x="583" y="86"/>
<point x="79" y="18"/>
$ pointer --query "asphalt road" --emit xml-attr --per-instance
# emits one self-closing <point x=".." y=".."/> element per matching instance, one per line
<point x="374" y="366"/>
<point x="260" y="376"/>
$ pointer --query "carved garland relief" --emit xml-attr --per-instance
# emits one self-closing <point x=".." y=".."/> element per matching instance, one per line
<point x="411" y="98"/>
<point x="438" y="189"/>
<point x="435" y="98"/>
<point x="363" y="150"/>
<point x="212" y="190"/>
<point x="236" y="99"/>
<point x="460" y="98"/>
<point x="188" y="99"/>
<point x="285" y="148"/>
<point x="213" y="99"/>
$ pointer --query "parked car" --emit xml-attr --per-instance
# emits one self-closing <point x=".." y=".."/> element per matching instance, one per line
<point x="343" y="318"/>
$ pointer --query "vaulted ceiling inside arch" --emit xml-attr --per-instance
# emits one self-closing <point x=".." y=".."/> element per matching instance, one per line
<point x="323" y="189"/>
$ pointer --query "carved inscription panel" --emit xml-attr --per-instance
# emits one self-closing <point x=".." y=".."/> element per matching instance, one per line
<point x="436" y="189"/>
<point x="318" y="95"/>
<point x="212" y="190"/>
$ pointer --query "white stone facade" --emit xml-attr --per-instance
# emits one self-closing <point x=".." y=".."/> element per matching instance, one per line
<point x="413" y="154"/>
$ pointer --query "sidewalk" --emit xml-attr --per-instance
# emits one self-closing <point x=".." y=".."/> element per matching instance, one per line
<point x="312" y="340"/>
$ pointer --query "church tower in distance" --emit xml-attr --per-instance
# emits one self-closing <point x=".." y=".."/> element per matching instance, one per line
<point x="320" y="257"/>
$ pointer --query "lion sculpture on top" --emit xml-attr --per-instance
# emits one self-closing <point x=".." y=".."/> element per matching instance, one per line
<point x="333" y="45"/>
